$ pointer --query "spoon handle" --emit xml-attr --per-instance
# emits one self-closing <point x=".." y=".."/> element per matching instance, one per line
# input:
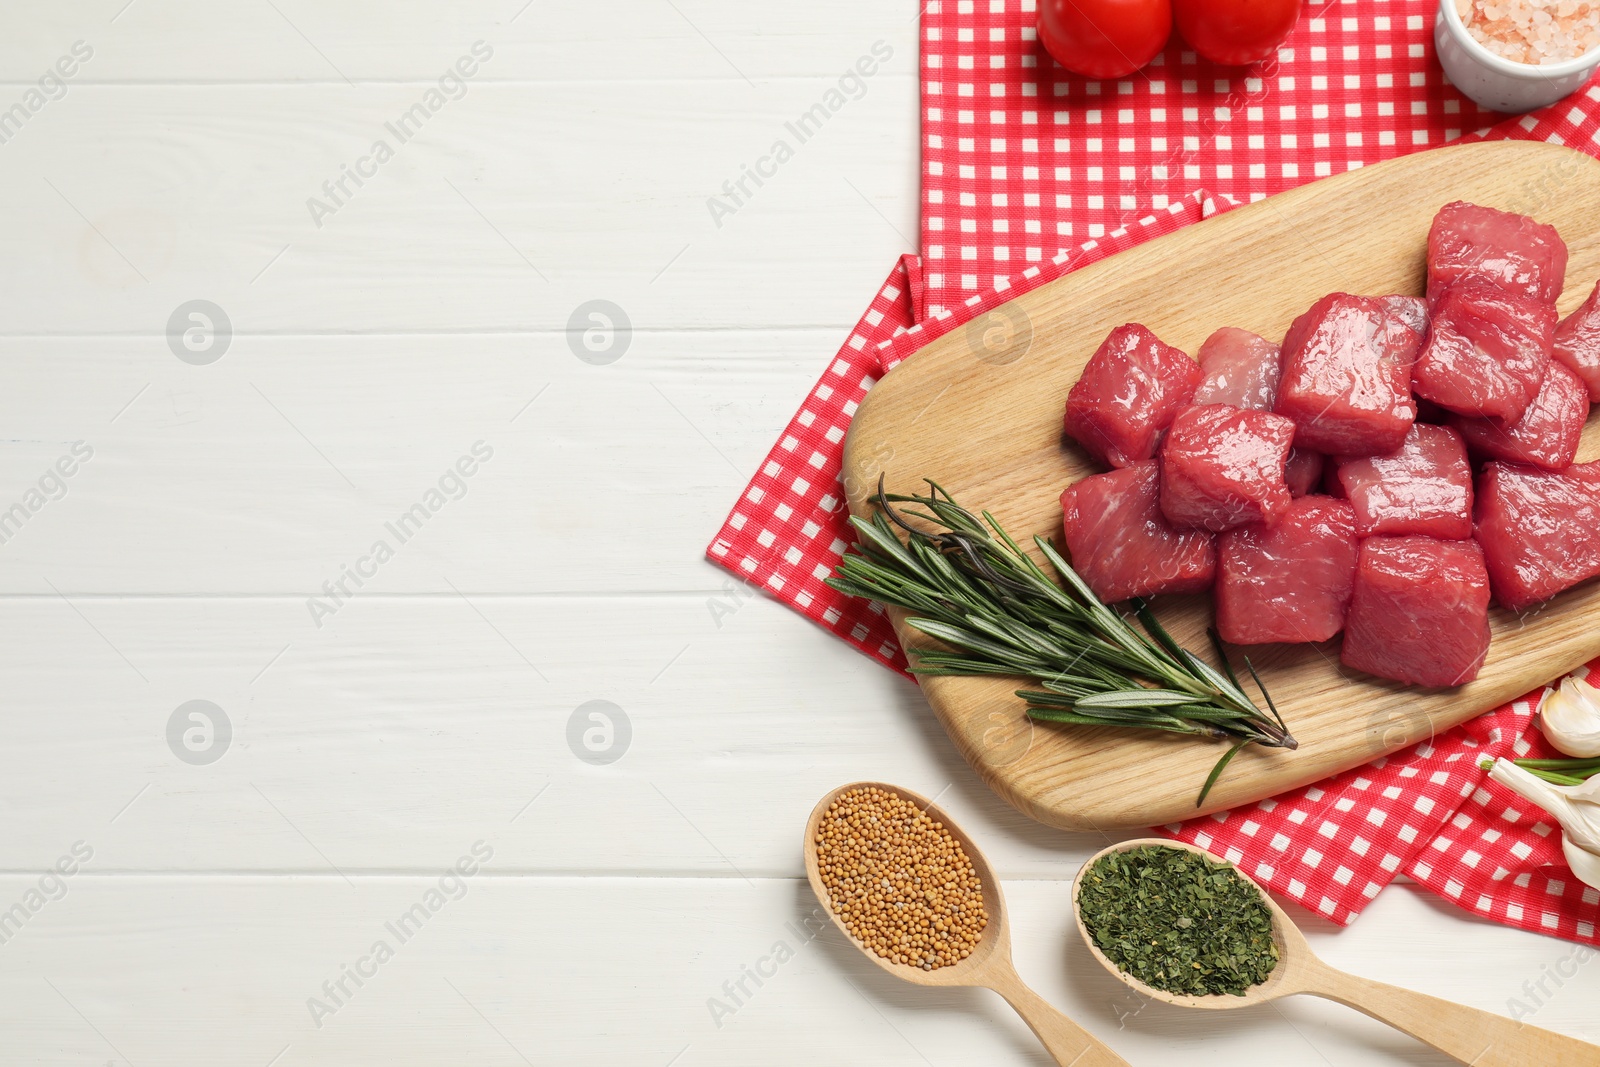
<point x="1471" y="1035"/>
<point x="1069" y="1043"/>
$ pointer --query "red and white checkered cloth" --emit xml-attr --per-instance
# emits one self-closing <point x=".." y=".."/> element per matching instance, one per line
<point x="1021" y="159"/>
<point x="1030" y="172"/>
<point x="1428" y="812"/>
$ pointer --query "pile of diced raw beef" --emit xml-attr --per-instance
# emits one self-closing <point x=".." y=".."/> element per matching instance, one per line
<point x="1392" y="464"/>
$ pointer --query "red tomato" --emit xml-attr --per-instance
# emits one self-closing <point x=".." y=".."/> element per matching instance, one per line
<point x="1104" y="38"/>
<point x="1235" y="32"/>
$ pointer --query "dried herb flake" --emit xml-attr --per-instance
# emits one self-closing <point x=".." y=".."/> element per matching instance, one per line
<point x="1178" y="921"/>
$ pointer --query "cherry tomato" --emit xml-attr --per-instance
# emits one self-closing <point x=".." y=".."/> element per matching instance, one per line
<point x="1104" y="38"/>
<point x="1235" y="32"/>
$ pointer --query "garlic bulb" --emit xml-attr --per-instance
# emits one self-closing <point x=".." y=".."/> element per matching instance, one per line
<point x="1570" y="718"/>
<point x="1575" y="807"/>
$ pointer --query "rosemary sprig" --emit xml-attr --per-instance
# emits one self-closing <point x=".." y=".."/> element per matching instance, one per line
<point x="967" y="584"/>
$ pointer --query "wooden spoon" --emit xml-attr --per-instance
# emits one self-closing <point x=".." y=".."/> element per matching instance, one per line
<point x="989" y="965"/>
<point x="1470" y="1035"/>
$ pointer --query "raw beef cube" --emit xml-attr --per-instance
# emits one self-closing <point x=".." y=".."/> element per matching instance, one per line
<point x="1238" y="368"/>
<point x="1516" y="253"/>
<point x="1420" y="611"/>
<point x="1411" y="310"/>
<point x="1546" y="435"/>
<point x="1540" y="530"/>
<point x="1577" y="342"/>
<point x="1122" y="546"/>
<point x="1302" y="471"/>
<point x="1487" y="351"/>
<point x="1289" y="582"/>
<point x="1129" y="392"/>
<point x="1347" y="377"/>
<point x="1222" y="467"/>
<point x="1423" y="487"/>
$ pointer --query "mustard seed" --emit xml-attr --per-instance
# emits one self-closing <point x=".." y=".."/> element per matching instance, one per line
<point x="898" y="880"/>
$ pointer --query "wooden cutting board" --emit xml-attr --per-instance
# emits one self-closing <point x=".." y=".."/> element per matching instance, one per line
<point x="979" y="410"/>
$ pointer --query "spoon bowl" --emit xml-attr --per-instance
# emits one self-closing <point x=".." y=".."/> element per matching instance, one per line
<point x="996" y="938"/>
<point x="1287" y="978"/>
<point x="1471" y="1036"/>
<point x="989" y="965"/>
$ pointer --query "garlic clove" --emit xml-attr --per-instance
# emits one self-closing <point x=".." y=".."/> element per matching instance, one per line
<point x="1569" y="717"/>
<point x="1586" y="865"/>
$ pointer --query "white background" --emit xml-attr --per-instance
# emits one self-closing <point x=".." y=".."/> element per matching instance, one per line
<point x="430" y="711"/>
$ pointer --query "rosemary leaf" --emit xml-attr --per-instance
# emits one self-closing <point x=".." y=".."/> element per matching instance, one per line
<point x="1137" y="698"/>
<point x="965" y="582"/>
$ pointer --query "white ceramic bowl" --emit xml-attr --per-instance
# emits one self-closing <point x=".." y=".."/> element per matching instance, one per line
<point x="1499" y="84"/>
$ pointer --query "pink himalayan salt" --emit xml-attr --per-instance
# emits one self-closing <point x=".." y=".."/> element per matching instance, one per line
<point x="1531" y="31"/>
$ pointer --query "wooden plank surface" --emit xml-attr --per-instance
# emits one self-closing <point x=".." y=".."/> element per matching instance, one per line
<point x="369" y="744"/>
<point x="300" y="41"/>
<point x="480" y="223"/>
<point x="989" y="431"/>
<point x="269" y="470"/>
<point x="510" y="971"/>
<point x="380" y="747"/>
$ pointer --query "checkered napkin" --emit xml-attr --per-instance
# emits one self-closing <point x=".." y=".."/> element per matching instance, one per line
<point x="1021" y="159"/>
<point x="1026" y="178"/>
<point x="1427" y="812"/>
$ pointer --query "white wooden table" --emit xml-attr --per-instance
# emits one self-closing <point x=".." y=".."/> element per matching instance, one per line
<point x="244" y="865"/>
